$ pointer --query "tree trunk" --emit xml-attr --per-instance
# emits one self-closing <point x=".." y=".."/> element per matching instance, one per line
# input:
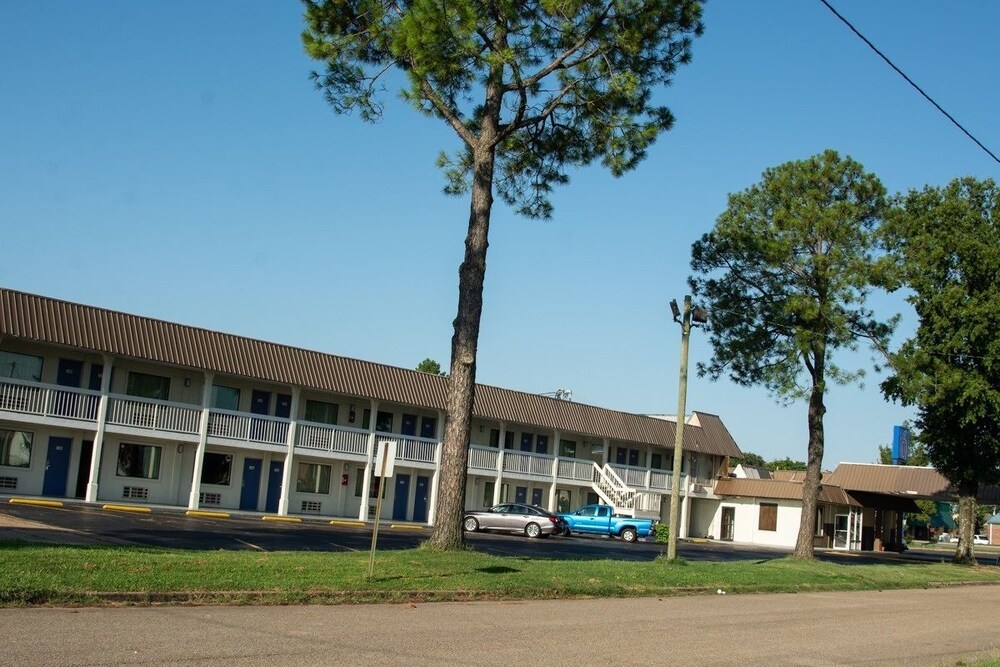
<point x="814" y="464"/>
<point x="966" y="524"/>
<point x="462" y="375"/>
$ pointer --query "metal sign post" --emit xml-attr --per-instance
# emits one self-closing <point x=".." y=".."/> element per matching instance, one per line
<point x="385" y="459"/>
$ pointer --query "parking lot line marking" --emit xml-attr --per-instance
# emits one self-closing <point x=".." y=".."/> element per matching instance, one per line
<point x="273" y="517"/>
<point x="210" y="515"/>
<point x="33" y="501"/>
<point x="356" y="524"/>
<point x="252" y="546"/>
<point x="127" y="508"/>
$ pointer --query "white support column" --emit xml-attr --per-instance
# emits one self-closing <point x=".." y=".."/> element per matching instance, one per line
<point x="436" y="477"/>
<point x="500" y="453"/>
<point x="199" y="455"/>
<point x="555" y="473"/>
<point x="93" y="481"/>
<point x="286" y="471"/>
<point x="606" y="454"/>
<point x="682" y="530"/>
<point x="366" y="484"/>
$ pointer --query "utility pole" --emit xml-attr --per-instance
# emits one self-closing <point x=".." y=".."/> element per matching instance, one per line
<point x="700" y="316"/>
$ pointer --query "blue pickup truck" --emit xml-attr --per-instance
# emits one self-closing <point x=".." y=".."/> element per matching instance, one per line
<point x="601" y="520"/>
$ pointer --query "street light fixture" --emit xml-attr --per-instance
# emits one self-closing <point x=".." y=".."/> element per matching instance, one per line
<point x="685" y="318"/>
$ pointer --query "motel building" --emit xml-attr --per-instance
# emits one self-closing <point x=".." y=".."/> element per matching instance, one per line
<point x="108" y="407"/>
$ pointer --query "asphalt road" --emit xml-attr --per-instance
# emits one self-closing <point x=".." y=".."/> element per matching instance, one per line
<point x="913" y="628"/>
<point x="77" y="523"/>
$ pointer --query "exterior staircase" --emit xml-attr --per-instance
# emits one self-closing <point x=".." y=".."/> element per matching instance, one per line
<point x="622" y="498"/>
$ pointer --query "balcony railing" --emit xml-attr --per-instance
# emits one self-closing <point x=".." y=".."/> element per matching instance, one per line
<point x="632" y="476"/>
<point x="248" y="427"/>
<point x="154" y="415"/>
<point x="341" y="440"/>
<point x="49" y="400"/>
<point x="483" y="458"/>
<point x="660" y="480"/>
<point x="416" y="450"/>
<point x="538" y="465"/>
<point x="575" y="469"/>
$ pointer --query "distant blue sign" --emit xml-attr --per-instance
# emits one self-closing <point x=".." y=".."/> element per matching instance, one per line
<point x="900" y="444"/>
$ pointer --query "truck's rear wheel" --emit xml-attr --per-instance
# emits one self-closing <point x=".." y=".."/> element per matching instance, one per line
<point x="629" y="535"/>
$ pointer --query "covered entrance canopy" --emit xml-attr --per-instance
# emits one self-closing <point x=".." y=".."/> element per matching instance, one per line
<point x="887" y="492"/>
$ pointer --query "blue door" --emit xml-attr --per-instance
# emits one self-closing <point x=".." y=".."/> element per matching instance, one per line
<point x="536" y="497"/>
<point x="542" y="444"/>
<point x="260" y="404"/>
<point x="521" y="494"/>
<point x="96" y="375"/>
<point x="70" y="374"/>
<point x="274" y="486"/>
<point x="409" y="426"/>
<point x="251" y="484"/>
<point x="401" y="498"/>
<point x="420" y="499"/>
<point x="428" y="427"/>
<point x="57" y="466"/>
<point x="283" y="406"/>
<point x="527" y="440"/>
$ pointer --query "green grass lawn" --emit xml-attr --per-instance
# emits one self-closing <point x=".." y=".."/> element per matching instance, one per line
<point x="44" y="574"/>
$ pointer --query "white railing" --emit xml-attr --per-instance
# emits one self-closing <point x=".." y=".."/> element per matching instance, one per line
<point x="616" y="492"/>
<point x="247" y="427"/>
<point x="630" y="475"/>
<point x="332" y="439"/>
<point x="418" y="450"/>
<point x="153" y="415"/>
<point x="49" y="400"/>
<point x="527" y="464"/>
<point x="646" y="501"/>
<point x="483" y="458"/>
<point x="576" y="469"/>
<point x="659" y="480"/>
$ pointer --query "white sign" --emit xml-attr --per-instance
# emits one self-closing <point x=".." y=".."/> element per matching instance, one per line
<point x="385" y="454"/>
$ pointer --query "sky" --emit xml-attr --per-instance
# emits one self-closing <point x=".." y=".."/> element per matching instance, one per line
<point x="173" y="160"/>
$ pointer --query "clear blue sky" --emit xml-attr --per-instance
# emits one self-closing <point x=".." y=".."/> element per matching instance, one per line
<point x="173" y="160"/>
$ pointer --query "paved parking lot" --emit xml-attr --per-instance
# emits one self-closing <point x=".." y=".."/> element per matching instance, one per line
<point x="79" y="523"/>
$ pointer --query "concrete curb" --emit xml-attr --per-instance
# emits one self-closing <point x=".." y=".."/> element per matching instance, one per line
<point x="35" y="501"/>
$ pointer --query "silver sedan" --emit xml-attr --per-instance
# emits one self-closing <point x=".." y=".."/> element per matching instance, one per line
<point x="514" y="518"/>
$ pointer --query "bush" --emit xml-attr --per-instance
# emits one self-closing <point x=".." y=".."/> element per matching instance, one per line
<point x="661" y="532"/>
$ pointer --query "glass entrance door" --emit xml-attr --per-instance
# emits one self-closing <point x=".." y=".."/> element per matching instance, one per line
<point x="840" y="531"/>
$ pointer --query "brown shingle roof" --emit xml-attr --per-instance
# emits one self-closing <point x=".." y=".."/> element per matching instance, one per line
<point x="778" y="490"/>
<point x="43" y="319"/>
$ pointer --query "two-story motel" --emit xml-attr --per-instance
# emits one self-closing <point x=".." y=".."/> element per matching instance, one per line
<point x="106" y="406"/>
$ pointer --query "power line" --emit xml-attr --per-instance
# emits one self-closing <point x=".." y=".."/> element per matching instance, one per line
<point x="910" y="81"/>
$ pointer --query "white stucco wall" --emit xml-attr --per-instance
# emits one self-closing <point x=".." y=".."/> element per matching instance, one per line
<point x="747" y="521"/>
<point x="704" y="518"/>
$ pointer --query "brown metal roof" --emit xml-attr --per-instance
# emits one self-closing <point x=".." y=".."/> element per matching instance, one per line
<point x="909" y="481"/>
<point x="779" y="490"/>
<point x="789" y="475"/>
<point x="43" y="319"/>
